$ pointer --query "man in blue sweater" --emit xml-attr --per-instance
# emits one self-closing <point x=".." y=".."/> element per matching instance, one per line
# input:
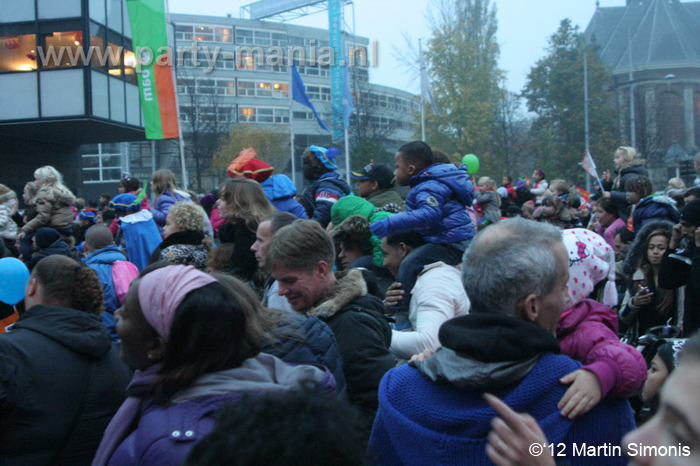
<point x="434" y="412"/>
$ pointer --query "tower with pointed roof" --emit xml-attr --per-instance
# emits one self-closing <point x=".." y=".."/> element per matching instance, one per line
<point x="652" y="48"/>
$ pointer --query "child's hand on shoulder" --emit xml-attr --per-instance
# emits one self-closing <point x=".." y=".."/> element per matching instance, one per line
<point x="583" y="394"/>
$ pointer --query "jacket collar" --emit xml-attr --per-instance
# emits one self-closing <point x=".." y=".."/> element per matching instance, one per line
<point x="348" y="287"/>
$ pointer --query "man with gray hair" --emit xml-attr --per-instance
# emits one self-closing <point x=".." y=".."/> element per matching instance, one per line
<point x="515" y="273"/>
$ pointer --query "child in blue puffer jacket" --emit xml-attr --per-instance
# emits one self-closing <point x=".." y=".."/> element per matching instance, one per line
<point x="435" y="207"/>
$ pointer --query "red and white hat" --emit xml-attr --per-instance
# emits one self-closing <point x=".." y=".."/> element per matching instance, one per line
<point x="591" y="260"/>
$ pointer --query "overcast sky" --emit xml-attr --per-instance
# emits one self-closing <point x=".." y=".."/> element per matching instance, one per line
<point x="523" y="29"/>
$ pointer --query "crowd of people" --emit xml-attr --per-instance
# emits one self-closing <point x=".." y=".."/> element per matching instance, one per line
<point x="259" y="325"/>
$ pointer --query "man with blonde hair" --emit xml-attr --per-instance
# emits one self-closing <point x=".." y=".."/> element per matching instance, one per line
<point x="300" y="257"/>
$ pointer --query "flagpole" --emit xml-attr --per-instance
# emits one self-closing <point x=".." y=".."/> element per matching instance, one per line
<point x="422" y="101"/>
<point x="291" y="125"/>
<point x="181" y="140"/>
<point x="347" y="156"/>
<point x="585" y="113"/>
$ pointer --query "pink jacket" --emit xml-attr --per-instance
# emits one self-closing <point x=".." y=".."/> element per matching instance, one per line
<point x="588" y="333"/>
<point x="215" y="219"/>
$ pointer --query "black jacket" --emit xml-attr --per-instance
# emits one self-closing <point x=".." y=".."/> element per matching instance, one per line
<point x="48" y="361"/>
<point x="363" y="336"/>
<point x="57" y="247"/>
<point x="682" y="267"/>
<point x="243" y="263"/>
<point x="618" y="193"/>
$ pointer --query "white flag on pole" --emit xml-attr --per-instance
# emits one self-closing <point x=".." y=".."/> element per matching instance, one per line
<point x="425" y="83"/>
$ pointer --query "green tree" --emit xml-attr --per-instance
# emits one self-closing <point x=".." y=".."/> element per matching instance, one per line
<point x="463" y="55"/>
<point x="272" y="146"/>
<point x="555" y="92"/>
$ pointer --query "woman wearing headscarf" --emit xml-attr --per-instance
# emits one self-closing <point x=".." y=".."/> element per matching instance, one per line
<point x="194" y="350"/>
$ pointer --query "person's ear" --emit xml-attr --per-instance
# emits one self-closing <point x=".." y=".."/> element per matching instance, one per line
<point x="412" y="170"/>
<point x="405" y="249"/>
<point x="530" y="308"/>
<point x="155" y="349"/>
<point x="32" y="287"/>
<point x="322" y="268"/>
<point x="375" y="185"/>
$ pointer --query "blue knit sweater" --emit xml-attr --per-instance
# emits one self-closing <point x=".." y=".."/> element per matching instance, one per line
<point x="420" y="422"/>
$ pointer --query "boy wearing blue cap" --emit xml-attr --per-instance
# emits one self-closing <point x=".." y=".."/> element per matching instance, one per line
<point x="137" y="228"/>
<point x="319" y="165"/>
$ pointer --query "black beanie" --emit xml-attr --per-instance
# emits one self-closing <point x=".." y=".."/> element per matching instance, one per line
<point x="691" y="213"/>
<point x="45" y="237"/>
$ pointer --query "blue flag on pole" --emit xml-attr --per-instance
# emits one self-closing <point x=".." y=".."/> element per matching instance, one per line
<point x="299" y="95"/>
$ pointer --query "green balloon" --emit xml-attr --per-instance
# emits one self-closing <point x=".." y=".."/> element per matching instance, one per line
<point x="472" y="163"/>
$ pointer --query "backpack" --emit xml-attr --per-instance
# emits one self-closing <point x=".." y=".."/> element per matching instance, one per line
<point x="123" y="273"/>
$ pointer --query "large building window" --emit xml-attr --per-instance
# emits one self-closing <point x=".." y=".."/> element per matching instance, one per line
<point x="263" y="89"/>
<point x="190" y="32"/>
<point x="61" y="49"/>
<point x="262" y="38"/>
<point x="18" y="52"/>
<point x="670" y="119"/>
<point x="322" y="93"/>
<point x="263" y="115"/>
<point x="101" y="163"/>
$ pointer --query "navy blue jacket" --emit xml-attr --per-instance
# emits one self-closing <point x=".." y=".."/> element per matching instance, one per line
<point x="59" y="247"/>
<point x="654" y="208"/>
<point x="436" y="206"/>
<point x="323" y="193"/>
<point x="101" y="262"/>
<point x="280" y="190"/>
<point x="315" y="344"/>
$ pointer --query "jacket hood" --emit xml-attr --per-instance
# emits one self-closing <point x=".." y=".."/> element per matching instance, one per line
<point x="636" y="251"/>
<point x="279" y="187"/>
<point x="349" y="286"/>
<point x="487" y="351"/>
<point x="449" y="175"/>
<point x="9" y="196"/>
<point x="107" y="255"/>
<point x="664" y="200"/>
<point x="590" y="311"/>
<point x="55" y="196"/>
<point x="263" y="373"/>
<point x="635" y="166"/>
<point x="78" y="331"/>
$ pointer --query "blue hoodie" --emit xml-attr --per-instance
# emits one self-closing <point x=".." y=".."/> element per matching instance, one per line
<point x="280" y="190"/>
<point x="436" y="206"/>
<point x="101" y="262"/>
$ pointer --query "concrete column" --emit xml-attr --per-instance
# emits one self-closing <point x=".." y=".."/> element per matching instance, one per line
<point x="688" y="116"/>
<point x="650" y="107"/>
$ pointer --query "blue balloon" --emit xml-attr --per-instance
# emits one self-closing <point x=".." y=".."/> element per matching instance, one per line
<point x="14" y="276"/>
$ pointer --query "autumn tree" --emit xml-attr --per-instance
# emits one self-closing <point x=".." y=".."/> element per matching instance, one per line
<point x="555" y="92"/>
<point x="463" y="56"/>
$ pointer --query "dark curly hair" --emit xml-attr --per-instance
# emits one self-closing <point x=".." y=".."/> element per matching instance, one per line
<point x="354" y="230"/>
<point x="71" y="283"/>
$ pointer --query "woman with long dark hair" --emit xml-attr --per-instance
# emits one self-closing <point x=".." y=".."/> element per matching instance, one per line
<point x="194" y="349"/>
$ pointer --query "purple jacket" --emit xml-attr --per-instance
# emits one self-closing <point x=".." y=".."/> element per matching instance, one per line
<point x="164" y="202"/>
<point x="164" y="435"/>
<point x="588" y="333"/>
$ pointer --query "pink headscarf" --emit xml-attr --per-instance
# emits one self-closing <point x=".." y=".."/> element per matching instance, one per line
<point x="162" y="291"/>
<point x="591" y="260"/>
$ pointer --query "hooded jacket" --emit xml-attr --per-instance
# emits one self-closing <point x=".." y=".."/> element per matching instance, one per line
<point x="164" y="435"/>
<point x="435" y="414"/>
<point x="487" y="202"/>
<point x="54" y="360"/>
<point x="618" y="193"/>
<point x="59" y="247"/>
<point x="382" y="197"/>
<point x="363" y="336"/>
<point x="436" y="206"/>
<point x="280" y="190"/>
<point x="638" y="321"/>
<point x="53" y="209"/>
<point x="588" y="332"/>
<point x="322" y="193"/>
<point x="141" y="237"/>
<point x="164" y="202"/>
<point x="355" y="205"/>
<point x="8" y="208"/>
<point x="654" y="208"/>
<point x="308" y="340"/>
<point x="101" y="262"/>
